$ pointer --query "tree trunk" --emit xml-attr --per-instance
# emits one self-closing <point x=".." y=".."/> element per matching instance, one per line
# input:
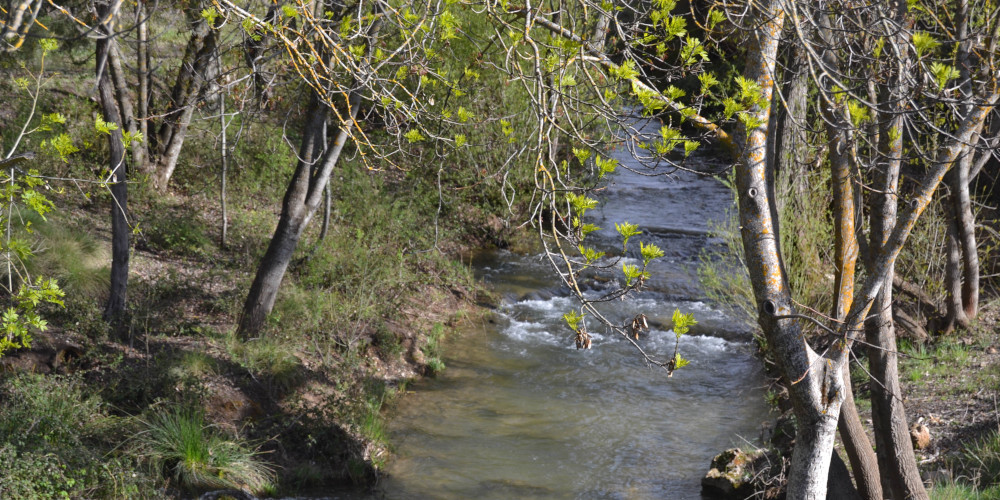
<point x="142" y="70"/>
<point x="125" y="107"/>
<point x="897" y="463"/>
<point x="176" y="121"/>
<point x="814" y="392"/>
<point x="964" y="222"/>
<point x="302" y="198"/>
<point x="114" y="310"/>
<point x="892" y="437"/>
<point x="955" y="315"/>
<point x="859" y="449"/>
<point x="223" y="124"/>
<point x="838" y="131"/>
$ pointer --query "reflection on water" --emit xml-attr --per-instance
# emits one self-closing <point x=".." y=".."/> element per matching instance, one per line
<point x="520" y="413"/>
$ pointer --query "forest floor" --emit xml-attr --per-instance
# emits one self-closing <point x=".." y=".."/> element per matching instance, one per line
<point x="952" y="388"/>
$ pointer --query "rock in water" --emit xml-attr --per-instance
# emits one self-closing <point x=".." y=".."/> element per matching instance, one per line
<point x="729" y="474"/>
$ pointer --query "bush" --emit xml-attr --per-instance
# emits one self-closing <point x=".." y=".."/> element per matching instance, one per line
<point x="56" y="441"/>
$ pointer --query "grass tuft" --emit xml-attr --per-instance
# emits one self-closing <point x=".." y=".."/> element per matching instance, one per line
<point x="179" y="443"/>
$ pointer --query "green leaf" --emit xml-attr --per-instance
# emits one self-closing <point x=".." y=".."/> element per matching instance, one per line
<point x="943" y="73"/>
<point x="690" y="147"/>
<point x="693" y="51"/>
<point x="605" y="166"/>
<point x="708" y="81"/>
<point x="624" y="71"/>
<point x="731" y="107"/>
<point x="48" y="44"/>
<point x="750" y="121"/>
<point x="632" y="272"/>
<point x="679" y="362"/>
<point x="858" y="112"/>
<point x="590" y="254"/>
<point x="413" y="136"/>
<point x="586" y="229"/>
<point x="459" y="140"/>
<point x="924" y="43"/>
<point x="627" y="230"/>
<point x="649" y="252"/>
<point x="103" y="126"/>
<point x="572" y="319"/>
<point x="128" y="137"/>
<point x="580" y="203"/>
<point x="682" y="322"/>
<point x="63" y="146"/>
<point x="714" y="18"/>
<point x="449" y="25"/>
<point x="674" y="27"/>
<point x="750" y="91"/>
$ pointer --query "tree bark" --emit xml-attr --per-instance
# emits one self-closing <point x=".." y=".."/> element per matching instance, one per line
<point x="301" y="200"/>
<point x="201" y="49"/>
<point x="955" y="310"/>
<point x="114" y="310"/>
<point x="897" y="463"/>
<point x="964" y="223"/>
<point x="124" y="99"/>
<point x="814" y="393"/>
<point x="859" y="449"/>
<point x="142" y="72"/>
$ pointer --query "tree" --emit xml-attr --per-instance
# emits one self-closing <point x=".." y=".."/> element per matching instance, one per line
<point x="118" y="169"/>
<point x="340" y="54"/>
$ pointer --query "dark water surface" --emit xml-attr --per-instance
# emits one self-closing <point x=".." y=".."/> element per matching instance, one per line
<point x="521" y="413"/>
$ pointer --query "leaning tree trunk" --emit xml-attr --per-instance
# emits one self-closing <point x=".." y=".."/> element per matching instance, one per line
<point x="114" y="310"/>
<point x="302" y="197"/>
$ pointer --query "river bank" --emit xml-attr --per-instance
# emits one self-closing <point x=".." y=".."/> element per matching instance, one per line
<point x="361" y="313"/>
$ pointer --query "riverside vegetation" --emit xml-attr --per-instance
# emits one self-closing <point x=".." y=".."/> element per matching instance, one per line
<point x="169" y="401"/>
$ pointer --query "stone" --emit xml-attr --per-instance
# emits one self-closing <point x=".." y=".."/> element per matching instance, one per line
<point x="729" y="474"/>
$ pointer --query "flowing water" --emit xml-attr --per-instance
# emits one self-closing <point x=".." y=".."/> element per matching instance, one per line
<point x="521" y="413"/>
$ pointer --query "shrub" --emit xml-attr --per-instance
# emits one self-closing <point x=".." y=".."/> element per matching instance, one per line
<point x="56" y="441"/>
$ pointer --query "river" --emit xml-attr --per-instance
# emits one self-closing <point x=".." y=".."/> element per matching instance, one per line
<point x="521" y="413"/>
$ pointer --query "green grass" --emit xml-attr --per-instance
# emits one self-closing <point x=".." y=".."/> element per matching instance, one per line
<point x="180" y="444"/>
<point x="959" y="491"/>
<point x="194" y="364"/>
<point x="921" y="362"/>
<point x="432" y="349"/>
<point x="270" y="357"/>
